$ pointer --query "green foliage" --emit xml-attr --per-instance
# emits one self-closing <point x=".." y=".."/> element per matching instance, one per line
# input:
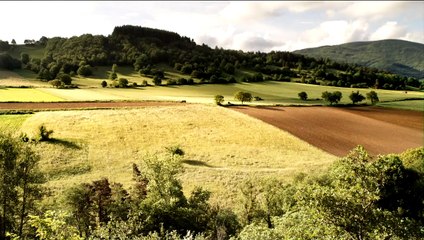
<point x="53" y="225"/>
<point x="56" y="83"/>
<point x="243" y="96"/>
<point x="25" y="58"/>
<point x="43" y="134"/>
<point x="64" y="78"/>
<point x="123" y="83"/>
<point x="20" y="186"/>
<point x="356" y="97"/>
<point x="157" y="80"/>
<point x="175" y="150"/>
<point x="113" y="76"/>
<point x="84" y="70"/>
<point x="333" y="97"/>
<point x="219" y="99"/>
<point x="103" y="84"/>
<point x="303" y="96"/>
<point x="373" y="97"/>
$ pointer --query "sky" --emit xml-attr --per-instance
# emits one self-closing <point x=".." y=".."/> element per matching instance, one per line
<point x="240" y="25"/>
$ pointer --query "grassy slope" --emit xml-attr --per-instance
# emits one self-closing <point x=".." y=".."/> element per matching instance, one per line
<point x="26" y="95"/>
<point x="399" y="56"/>
<point x="222" y="146"/>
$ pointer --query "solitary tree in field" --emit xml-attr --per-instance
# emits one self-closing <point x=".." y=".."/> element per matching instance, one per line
<point x="157" y="80"/>
<point x="243" y="96"/>
<point x="373" y="97"/>
<point x="356" y="97"/>
<point x="219" y="99"/>
<point x="303" y="96"/>
<point x="104" y="84"/>
<point x="123" y="82"/>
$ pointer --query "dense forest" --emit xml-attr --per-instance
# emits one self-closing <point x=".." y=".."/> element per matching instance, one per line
<point x="147" y="49"/>
<point x="359" y="197"/>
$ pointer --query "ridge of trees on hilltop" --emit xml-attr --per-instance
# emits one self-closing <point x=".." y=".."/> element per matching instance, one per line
<point x="147" y="48"/>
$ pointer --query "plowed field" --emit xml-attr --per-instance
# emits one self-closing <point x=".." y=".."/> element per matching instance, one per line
<point x="338" y="130"/>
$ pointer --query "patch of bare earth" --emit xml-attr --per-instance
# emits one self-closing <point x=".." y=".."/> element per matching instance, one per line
<point x="339" y="130"/>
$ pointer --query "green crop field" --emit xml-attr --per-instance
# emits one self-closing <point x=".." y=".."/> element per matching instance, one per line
<point x="26" y="95"/>
<point x="417" y="105"/>
<point x="12" y="123"/>
<point x="222" y="146"/>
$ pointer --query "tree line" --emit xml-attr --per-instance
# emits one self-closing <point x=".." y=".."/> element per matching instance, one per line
<point x="146" y="48"/>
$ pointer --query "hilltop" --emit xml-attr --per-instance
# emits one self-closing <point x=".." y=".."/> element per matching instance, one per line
<point x="397" y="56"/>
<point x="154" y="53"/>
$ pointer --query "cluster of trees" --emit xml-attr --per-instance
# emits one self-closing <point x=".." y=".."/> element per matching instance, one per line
<point x="336" y="96"/>
<point x="359" y="197"/>
<point x="144" y="48"/>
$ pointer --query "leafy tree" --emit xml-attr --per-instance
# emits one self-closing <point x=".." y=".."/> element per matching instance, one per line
<point x="356" y="97"/>
<point x="243" y="96"/>
<point x="219" y="99"/>
<point x="303" y="96"/>
<point x="65" y="78"/>
<point x="25" y="58"/>
<point x="13" y="42"/>
<point x="104" y="84"/>
<point x="53" y="225"/>
<point x="373" y="97"/>
<point x="84" y="70"/>
<point x="157" y="80"/>
<point x="123" y="82"/>
<point x="333" y="97"/>
<point x="20" y="185"/>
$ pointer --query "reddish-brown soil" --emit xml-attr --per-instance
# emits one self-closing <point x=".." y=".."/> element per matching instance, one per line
<point x="339" y="130"/>
<point x="78" y="105"/>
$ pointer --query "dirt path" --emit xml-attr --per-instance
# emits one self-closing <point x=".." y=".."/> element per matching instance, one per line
<point x="79" y="105"/>
<point x="338" y="130"/>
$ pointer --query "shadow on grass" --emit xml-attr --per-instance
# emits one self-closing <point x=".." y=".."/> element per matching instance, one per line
<point x="64" y="143"/>
<point x="197" y="163"/>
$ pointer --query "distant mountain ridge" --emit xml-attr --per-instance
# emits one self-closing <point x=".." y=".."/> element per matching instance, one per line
<point x="398" y="56"/>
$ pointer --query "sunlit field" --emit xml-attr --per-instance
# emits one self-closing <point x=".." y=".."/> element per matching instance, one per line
<point x="222" y="147"/>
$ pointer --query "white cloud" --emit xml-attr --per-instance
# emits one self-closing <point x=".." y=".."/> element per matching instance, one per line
<point x="390" y="30"/>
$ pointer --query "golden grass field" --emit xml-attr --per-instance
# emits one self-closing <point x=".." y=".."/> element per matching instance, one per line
<point x="222" y="147"/>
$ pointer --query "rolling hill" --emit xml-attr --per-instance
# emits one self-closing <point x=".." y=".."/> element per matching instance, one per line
<point x="397" y="56"/>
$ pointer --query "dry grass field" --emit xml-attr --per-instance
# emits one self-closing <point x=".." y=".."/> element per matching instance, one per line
<point x="222" y="146"/>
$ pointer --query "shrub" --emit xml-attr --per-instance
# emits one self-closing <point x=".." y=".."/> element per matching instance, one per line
<point x="113" y="76"/>
<point x="65" y="78"/>
<point x="175" y="150"/>
<point x="104" y="84"/>
<point x="123" y="83"/>
<point x="171" y="82"/>
<point x="43" y="134"/>
<point x="257" y="98"/>
<point x="56" y="83"/>
<point x="303" y="96"/>
<point x="144" y="83"/>
<point x="219" y="99"/>
<point x="84" y="70"/>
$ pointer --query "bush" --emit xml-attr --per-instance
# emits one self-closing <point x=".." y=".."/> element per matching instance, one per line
<point x="104" y="84"/>
<point x="43" y="134"/>
<point x="56" y="83"/>
<point x="144" y="83"/>
<point x="175" y="150"/>
<point x="65" y="78"/>
<point x="84" y="70"/>
<point x="257" y="98"/>
<point x="303" y="96"/>
<point x="123" y="83"/>
<point x="171" y="82"/>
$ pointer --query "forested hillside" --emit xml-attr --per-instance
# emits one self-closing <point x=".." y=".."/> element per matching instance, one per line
<point x="397" y="56"/>
<point x="148" y="50"/>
